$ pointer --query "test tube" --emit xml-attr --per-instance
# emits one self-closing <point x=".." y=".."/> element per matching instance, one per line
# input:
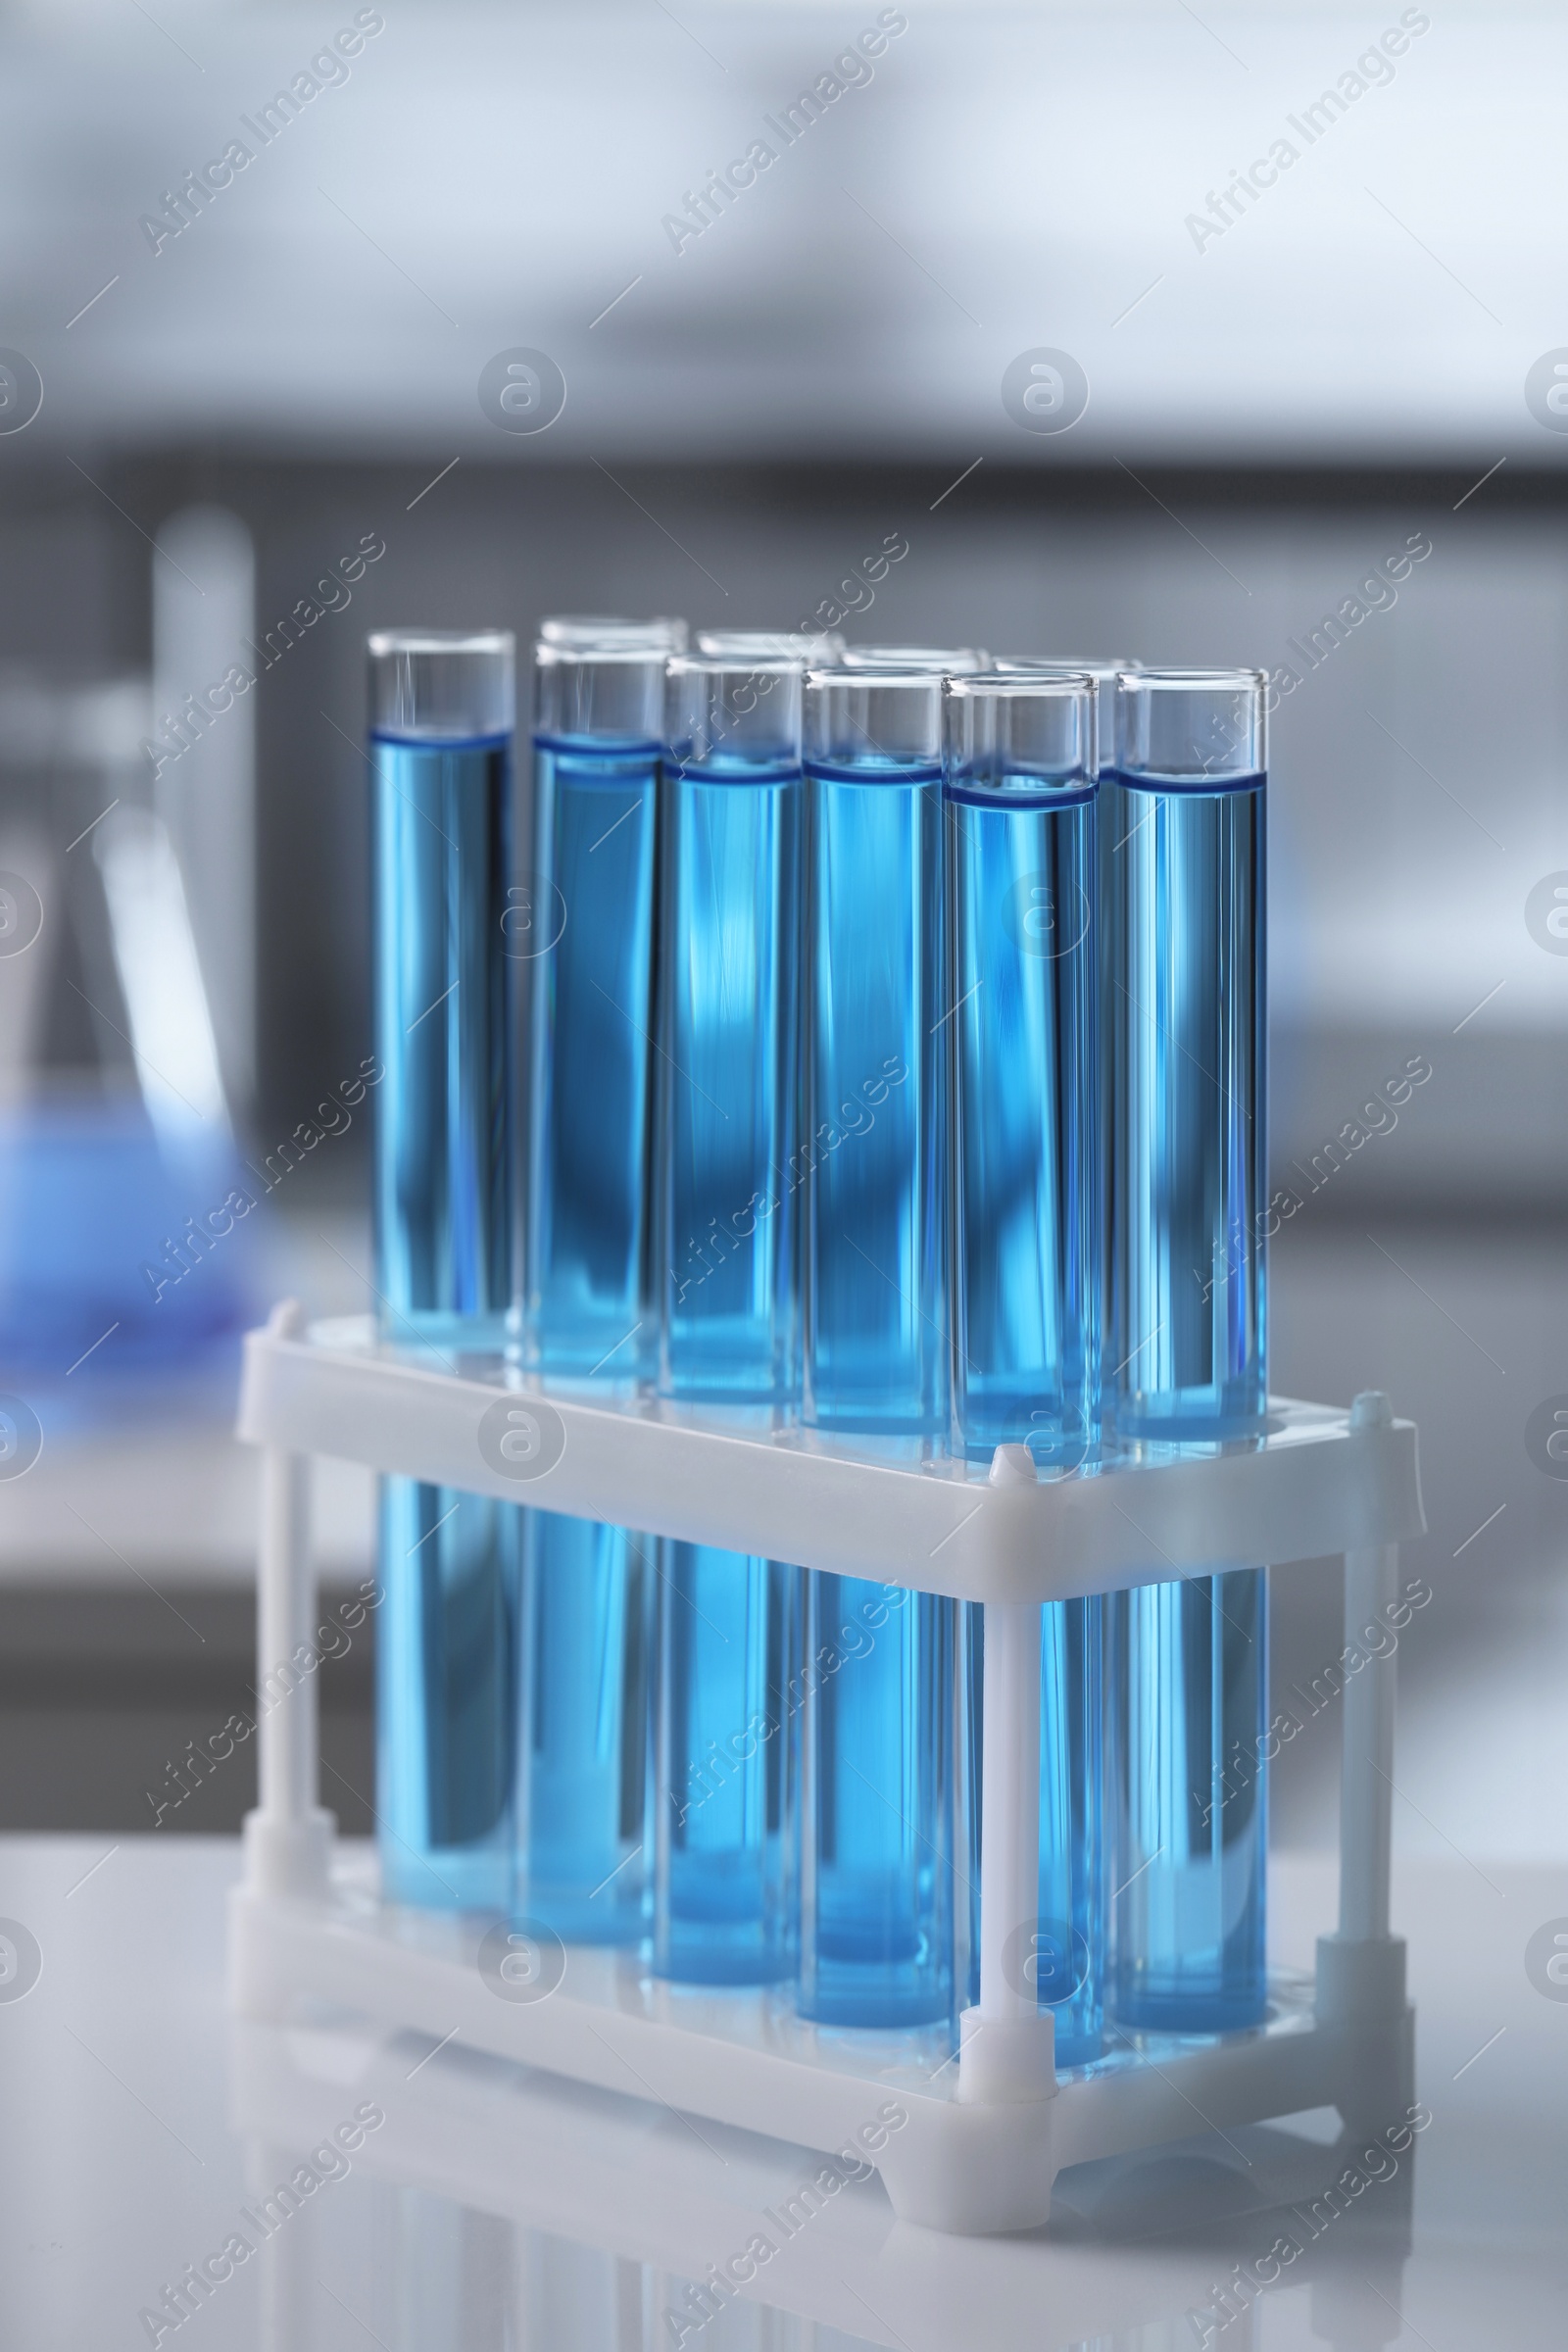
<point x="877" y="1817"/>
<point x="1183" y="895"/>
<point x="1105" y="669"/>
<point x="724" y="1255"/>
<point x="585" y="1314"/>
<point x="1021" y="1038"/>
<point x="1021" y="798"/>
<point x="442" y="711"/>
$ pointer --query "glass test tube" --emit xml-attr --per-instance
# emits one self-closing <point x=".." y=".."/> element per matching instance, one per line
<point x="1105" y="669"/>
<point x="1182" y="894"/>
<point x="877" y="1814"/>
<point x="1022" y="800"/>
<point x="724" y="1259"/>
<point x="442" y="712"/>
<point x="585" y="1315"/>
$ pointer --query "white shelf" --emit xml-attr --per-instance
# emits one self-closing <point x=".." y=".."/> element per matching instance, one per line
<point x="1312" y="1486"/>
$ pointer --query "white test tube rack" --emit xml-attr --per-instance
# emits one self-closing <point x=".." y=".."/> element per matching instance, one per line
<point x="983" y="2139"/>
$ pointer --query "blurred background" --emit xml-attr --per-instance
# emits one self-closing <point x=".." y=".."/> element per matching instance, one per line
<point x="1037" y="292"/>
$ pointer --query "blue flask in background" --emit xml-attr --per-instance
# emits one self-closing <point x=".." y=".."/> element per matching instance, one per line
<point x="586" y="967"/>
<point x="879" y="1816"/>
<point x="726" y="1626"/>
<point x="1022" y="1048"/>
<point x="442" y="712"/>
<point x="1182" y="894"/>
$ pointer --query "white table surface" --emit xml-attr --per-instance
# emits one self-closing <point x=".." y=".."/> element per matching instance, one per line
<point x="495" y="2210"/>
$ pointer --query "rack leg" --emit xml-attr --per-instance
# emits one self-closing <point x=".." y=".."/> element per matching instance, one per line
<point x="1360" y="1969"/>
<point x="288" y="1838"/>
<point x="1366" y="1773"/>
<point x="1009" y="2049"/>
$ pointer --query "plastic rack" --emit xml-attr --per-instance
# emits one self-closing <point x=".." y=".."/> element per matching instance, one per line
<point x="984" y="2138"/>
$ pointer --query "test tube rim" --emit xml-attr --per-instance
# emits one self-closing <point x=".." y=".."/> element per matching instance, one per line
<point x="960" y="783"/>
<point x="808" y="640"/>
<point x="593" y="632"/>
<point x="1029" y="665"/>
<point x="714" y="665"/>
<point x="891" y="770"/>
<point x="873" y="680"/>
<point x="384" y="644"/>
<point x="1053" y="682"/>
<point x="710" y="765"/>
<point x="1203" y="779"/>
<point x="1192" y="681"/>
<point x="546" y="655"/>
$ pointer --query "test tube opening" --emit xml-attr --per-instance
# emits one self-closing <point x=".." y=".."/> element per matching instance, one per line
<point x="442" y="685"/>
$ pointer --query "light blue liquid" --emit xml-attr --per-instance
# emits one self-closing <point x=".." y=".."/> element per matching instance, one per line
<point x="1023" y="1045"/>
<point x="446" y="1743"/>
<point x="878" y="1804"/>
<point x="725" y="1252"/>
<point x="878" y="1728"/>
<point x="446" y="1691"/>
<point x="1026" y="1287"/>
<point x="1185" y="908"/>
<point x="873" y="1265"/>
<point x="585" y="1714"/>
<point x="443" y="1171"/>
<point x="728" y="1080"/>
<point x="587" y="1316"/>
<point x="724" y="1905"/>
<point x="586" y="1311"/>
<point x="1185" y="1356"/>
